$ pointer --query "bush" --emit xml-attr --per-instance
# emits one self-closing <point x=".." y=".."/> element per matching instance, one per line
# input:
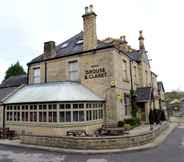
<point x="132" y="121"/>
<point x="121" y="123"/>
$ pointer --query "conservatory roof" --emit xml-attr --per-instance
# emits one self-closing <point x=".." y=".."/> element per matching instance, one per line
<point x="53" y="92"/>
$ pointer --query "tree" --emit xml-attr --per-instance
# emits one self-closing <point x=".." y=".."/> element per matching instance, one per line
<point x="170" y="96"/>
<point x="14" y="70"/>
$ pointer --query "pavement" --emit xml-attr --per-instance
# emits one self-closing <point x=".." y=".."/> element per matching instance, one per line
<point x="155" y="143"/>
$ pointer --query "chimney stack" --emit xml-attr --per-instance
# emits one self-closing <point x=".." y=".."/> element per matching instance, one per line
<point x="123" y="38"/>
<point x="89" y="25"/>
<point x="49" y="49"/>
<point x="141" y="40"/>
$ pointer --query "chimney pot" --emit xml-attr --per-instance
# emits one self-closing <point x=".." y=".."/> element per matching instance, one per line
<point x="123" y="38"/>
<point x="141" y="35"/>
<point x="141" y="40"/>
<point x="86" y="10"/>
<point x="91" y="8"/>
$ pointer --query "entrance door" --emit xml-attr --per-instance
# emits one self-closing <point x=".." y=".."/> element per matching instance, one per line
<point x="141" y="111"/>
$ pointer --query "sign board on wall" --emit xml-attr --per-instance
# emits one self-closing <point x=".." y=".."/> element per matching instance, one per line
<point x="95" y="72"/>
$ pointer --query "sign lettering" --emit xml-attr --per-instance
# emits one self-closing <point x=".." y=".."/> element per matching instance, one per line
<point x="95" y="72"/>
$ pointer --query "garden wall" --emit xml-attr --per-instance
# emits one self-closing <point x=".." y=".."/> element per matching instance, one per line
<point x="94" y="143"/>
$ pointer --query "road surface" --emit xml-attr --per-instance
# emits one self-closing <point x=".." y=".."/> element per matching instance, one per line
<point x="172" y="150"/>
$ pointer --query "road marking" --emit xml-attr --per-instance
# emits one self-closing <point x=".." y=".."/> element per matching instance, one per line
<point x="96" y="160"/>
<point x="182" y="143"/>
<point x="31" y="157"/>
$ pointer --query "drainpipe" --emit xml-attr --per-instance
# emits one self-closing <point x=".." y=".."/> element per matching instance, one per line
<point x="152" y="93"/>
<point x="132" y="90"/>
<point x="45" y="72"/>
<point x="3" y="116"/>
<point x="28" y="75"/>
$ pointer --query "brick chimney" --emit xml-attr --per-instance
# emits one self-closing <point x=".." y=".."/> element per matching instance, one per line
<point x="89" y="24"/>
<point x="49" y="49"/>
<point x="141" y="40"/>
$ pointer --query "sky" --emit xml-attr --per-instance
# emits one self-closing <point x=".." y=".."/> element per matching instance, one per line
<point x="26" y="24"/>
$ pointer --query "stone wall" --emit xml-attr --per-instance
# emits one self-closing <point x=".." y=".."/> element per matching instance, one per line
<point x="52" y="129"/>
<point x="110" y="142"/>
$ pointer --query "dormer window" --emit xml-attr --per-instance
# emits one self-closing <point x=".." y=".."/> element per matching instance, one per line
<point x="64" y="45"/>
<point x="80" y="41"/>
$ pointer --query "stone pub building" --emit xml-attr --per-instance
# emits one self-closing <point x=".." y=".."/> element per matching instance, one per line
<point x="81" y="83"/>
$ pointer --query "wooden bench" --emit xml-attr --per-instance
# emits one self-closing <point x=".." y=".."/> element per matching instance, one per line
<point x="76" y="133"/>
<point x="110" y="128"/>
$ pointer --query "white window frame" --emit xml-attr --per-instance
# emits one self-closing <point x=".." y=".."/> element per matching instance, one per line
<point x="73" y="70"/>
<point x="40" y="112"/>
<point x="36" y="75"/>
<point x="127" y="104"/>
<point x="125" y="70"/>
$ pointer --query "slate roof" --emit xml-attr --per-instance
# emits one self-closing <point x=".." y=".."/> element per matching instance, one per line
<point x="4" y="92"/>
<point x="143" y="94"/>
<point x="137" y="55"/>
<point x="14" y="81"/>
<point x="53" y="92"/>
<point x="73" y="46"/>
<point x="10" y="85"/>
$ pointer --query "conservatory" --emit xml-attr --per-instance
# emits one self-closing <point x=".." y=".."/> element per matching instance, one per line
<point x="54" y="108"/>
